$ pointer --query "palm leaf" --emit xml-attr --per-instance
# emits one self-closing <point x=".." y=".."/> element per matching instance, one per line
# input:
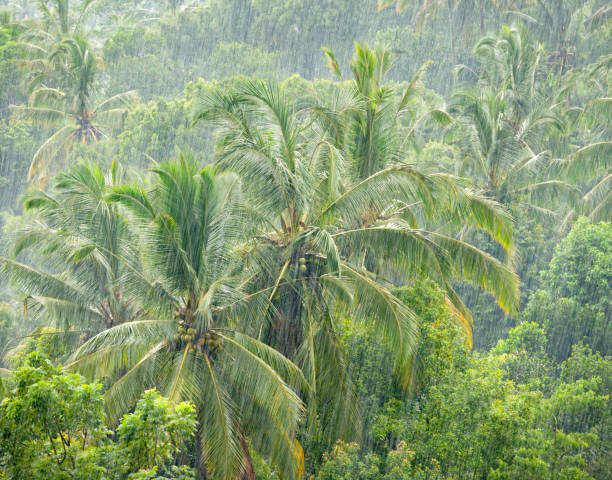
<point x="483" y="271"/>
<point x="397" y="323"/>
<point x="599" y="200"/>
<point x="120" y="101"/>
<point x="60" y="141"/>
<point x="124" y="393"/>
<point x="47" y="117"/>
<point x="41" y="283"/>
<point x="587" y="160"/>
<point x="218" y="420"/>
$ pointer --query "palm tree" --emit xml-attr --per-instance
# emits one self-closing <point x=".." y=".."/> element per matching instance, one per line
<point x="590" y="165"/>
<point x="74" y="280"/>
<point x="376" y="127"/>
<point x="192" y="340"/>
<point x="73" y="107"/>
<point x="368" y="121"/>
<point x="58" y="23"/>
<point x="318" y="213"/>
<point x="503" y="123"/>
<point x="498" y="160"/>
<point x="522" y="141"/>
<point x="512" y="61"/>
<point x="517" y="141"/>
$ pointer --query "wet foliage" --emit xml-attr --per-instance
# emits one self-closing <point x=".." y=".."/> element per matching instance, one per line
<point x="322" y="239"/>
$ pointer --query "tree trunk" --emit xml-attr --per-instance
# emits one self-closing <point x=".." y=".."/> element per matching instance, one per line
<point x="451" y="27"/>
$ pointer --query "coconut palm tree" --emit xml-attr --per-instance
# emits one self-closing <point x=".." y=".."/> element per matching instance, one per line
<point x="590" y="165"/>
<point x="512" y="61"/>
<point x="73" y="107"/>
<point x="505" y="123"/>
<point x="500" y="161"/>
<point x="368" y="120"/>
<point x="376" y="126"/>
<point x="587" y="161"/>
<point x="59" y="22"/>
<point x="192" y="340"/>
<point x="521" y="139"/>
<point x="73" y="279"/>
<point x="320" y="216"/>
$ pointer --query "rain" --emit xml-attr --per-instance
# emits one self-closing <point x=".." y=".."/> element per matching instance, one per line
<point x="305" y="239"/>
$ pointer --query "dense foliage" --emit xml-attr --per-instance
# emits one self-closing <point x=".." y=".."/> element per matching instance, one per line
<point x="52" y="426"/>
<point x="573" y="301"/>
<point x="256" y="239"/>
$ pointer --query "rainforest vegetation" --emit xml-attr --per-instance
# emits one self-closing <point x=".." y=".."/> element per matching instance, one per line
<point x="305" y="239"/>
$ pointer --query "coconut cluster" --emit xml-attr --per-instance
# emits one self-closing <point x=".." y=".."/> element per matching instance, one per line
<point x="198" y="342"/>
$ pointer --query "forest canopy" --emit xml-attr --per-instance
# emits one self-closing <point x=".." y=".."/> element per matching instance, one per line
<point x="324" y="240"/>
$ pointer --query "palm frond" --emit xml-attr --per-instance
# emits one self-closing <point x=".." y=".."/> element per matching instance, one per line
<point x="333" y="404"/>
<point x="124" y="393"/>
<point x="599" y="200"/>
<point x="411" y="90"/>
<point x="483" y="271"/>
<point x="395" y="243"/>
<point x="218" y="421"/>
<point x="269" y="358"/>
<point x="249" y="372"/>
<point x="402" y="182"/>
<point x="68" y="313"/>
<point x="119" y="101"/>
<point x="397" y="323"/>
<point x="58" y="143"/>
<point x="40" y="283"/>
<point x="596" y="110"/>
<point x="135" y="199"/>
<point x="587" y="160"/>
<point x="45" y="116"/>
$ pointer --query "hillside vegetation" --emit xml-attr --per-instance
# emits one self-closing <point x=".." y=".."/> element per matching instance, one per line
<point x="305" y="239"/>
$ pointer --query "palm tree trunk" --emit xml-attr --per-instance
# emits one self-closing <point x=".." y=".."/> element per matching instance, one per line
<point x="451" y="25"/>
